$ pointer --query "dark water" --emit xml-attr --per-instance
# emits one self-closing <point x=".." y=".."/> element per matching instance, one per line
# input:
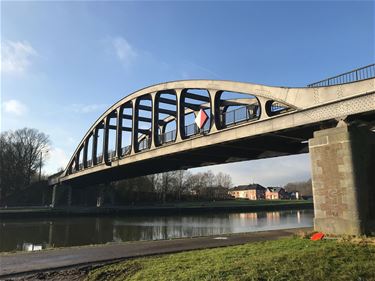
<point x="33" y="234"/>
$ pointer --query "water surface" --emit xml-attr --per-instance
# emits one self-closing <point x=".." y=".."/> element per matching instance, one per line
<point x="34" y="234"/>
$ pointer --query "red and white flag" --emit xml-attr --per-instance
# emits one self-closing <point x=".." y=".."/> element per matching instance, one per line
<point x="201" y="119"/>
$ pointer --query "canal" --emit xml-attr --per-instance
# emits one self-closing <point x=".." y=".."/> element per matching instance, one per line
<point x="40" y="233"/>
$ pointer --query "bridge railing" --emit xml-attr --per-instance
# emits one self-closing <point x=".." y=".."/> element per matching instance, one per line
<point x="126" y="150"/>
<point x="167" y="137"/>
<point x="192" y="129"/>
<point x="111" y="154"/>
<point x="238" y="115"/>
<point x="144" y="144"/>
<point x="358" y="74"/>
<point x="99" y="158"/>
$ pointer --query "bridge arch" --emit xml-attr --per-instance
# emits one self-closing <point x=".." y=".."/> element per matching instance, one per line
<point x="156" y="117"/>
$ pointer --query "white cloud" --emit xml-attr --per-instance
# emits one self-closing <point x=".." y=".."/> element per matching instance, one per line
<point x="87" y="108"/>
<point x="14" y="107"/>
<point x="16" y="56"/>
<point x="57" y="158"/>
<point x="124" y="51"/>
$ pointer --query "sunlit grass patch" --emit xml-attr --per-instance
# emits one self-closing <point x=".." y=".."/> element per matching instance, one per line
<point x="284" y="259"/>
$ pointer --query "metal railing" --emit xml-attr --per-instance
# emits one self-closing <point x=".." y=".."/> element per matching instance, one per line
<point x="358" y="74"/>
<point x="167" y="137"/>
<point x="126" y="150"/>
<point x="144" y="144"/>
<point x="99" y="158"/>
<point x="238" y="115"/>
<point x="192" y="129"/>
<point x="111" y="154"/>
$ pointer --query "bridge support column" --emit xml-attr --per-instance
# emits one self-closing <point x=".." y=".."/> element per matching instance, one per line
<point x="343" y="180"/>
<point x="53" y="200"/>
<point x="69" y="199"/>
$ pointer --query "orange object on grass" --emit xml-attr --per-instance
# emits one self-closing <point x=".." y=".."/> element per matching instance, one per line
<point x="317" y="236"/>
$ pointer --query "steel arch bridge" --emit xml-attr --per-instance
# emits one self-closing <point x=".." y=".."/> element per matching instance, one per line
<point x="245" y="121"/>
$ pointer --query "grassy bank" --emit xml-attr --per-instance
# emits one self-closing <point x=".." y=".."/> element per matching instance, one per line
<point x="192" y="206"/>
<point x="284" y="259"/>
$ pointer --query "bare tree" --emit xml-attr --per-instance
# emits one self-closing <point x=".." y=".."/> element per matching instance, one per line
<point x="166" y="184"/>
<point x="180" y="181"/>
<point x="223" y="180"/>
<point x="20" y="158"/>
<point x="303" y="187"/>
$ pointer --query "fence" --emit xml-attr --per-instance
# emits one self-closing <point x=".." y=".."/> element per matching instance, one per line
<point x="167" y="137"/>
<point x="238" y="115"/>
<point x="358" y="74"/>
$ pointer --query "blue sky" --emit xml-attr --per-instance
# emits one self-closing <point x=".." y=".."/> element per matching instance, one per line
<point x="64" y="63"/>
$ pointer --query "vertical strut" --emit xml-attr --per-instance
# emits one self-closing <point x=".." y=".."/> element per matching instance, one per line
<point x="180" y="130"/>
<point x="105" y="140"/>
<point x="85" y="148"/>
<point x="94" y="146"/>
<point x="119" y="131"/>
<point x="135" y="127"/>
<point x="154" y="120"/>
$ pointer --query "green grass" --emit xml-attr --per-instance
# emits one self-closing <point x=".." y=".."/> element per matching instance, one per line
<point x="284" y="259"/>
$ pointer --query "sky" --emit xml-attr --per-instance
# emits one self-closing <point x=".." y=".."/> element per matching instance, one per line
<point x="64" y="63"/>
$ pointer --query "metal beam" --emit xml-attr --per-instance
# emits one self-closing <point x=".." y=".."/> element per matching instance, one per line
<point x="140" y="118"/>
<point x="167" y="101"/>
<point x="167" y="111"/>
<point x="127" y="129"/>
<point x="239" y="102"/>
<point x="160" y="110"/>
<point x="144" y="131"/>
<point x="195" y="107"/>
<point x="197" y="97"/>
<point x="145" y="107"/>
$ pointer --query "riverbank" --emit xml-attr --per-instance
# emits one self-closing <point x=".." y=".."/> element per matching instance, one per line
<point x="195" y="206"/>
<point x="271" y="255"/>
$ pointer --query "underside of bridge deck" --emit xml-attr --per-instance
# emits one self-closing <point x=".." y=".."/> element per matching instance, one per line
<point x="279" y="143"/>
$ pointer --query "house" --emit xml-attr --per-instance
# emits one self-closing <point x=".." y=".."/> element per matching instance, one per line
<point x="273" y="193"/>
<point x="294" y="195"/>
<point x="251" y="191"/>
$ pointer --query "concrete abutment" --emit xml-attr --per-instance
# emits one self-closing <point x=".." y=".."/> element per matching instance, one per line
<point x="343" y="180"/>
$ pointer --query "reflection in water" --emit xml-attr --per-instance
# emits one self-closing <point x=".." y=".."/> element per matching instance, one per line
<point x="34" y="234"/>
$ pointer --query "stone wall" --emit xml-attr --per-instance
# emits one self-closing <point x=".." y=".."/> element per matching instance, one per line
<point x="343" y="180"/>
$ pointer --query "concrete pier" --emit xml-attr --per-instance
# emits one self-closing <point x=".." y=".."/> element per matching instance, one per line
<point x="343" y="179"/>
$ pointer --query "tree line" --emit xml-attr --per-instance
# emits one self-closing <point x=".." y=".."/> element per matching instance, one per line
<point x="173" y="186"/>
<point x="20" y="160"/>
<point x="303" y="187"/>
<point x="23" y="153"/>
